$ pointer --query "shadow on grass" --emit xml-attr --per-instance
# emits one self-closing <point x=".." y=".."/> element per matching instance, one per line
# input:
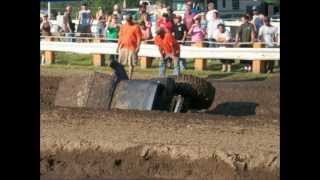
<point x="235" y="109"/>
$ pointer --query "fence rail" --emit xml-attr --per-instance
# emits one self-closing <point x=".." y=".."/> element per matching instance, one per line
<point x="150" y="50"/>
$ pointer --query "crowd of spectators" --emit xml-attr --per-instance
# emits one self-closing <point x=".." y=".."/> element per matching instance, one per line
<point x="198" y="27"/>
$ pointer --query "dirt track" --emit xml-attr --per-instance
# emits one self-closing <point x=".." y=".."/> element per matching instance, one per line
<point x="237" y="139"/>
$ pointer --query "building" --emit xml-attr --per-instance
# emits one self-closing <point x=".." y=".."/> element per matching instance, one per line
<point x="232" y="6"/>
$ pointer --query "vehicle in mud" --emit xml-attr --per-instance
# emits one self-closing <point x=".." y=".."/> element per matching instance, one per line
<point x="102" y="91"/>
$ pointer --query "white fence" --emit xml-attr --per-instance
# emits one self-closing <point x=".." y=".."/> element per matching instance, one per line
<point x="150" y="50"/>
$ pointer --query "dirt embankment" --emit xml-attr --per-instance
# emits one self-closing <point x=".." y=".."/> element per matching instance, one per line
<point x="225" y="143"/>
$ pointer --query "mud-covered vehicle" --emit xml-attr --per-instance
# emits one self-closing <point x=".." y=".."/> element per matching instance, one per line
<point x="102" y="91"/>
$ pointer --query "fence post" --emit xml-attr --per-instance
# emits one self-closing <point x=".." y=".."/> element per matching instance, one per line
<point x="199" y="64"/>
<point x="98" y="59"/>
<point x="258" y="66"/>
<point x="145" y="62"/>
<point x="49" y="56"/>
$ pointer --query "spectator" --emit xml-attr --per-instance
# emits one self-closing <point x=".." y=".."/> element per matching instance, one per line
<point x="68" y="25"/>
<point x="180" y="34"/>
<point x="169" y="49"/>
<point x="196" y="8"/>
<point x="45" y="26"/>
<point x="146" y="31"/>
<point x="60" y="21"/>
<point x="267" y="34"/>
<point x="257" y="19"/>
<point x="141" y="15"/>
<point x="129" y="44"/>
<point x="101" y="18"/>
<point x="112" y="32"/>
<point x="164" y="9"/>
<point x="171" y="15"/>
<point x="85" y="20"/>
<point x="203" y="21"/>
<point x="188" y="17"/>
<point x="116" y="11"/>
<point x="45" y="30"/>
<point x="213" y="25"/>
<point x="221" y="35"/>
<point x="165" y="23"/>
<point x="196" y="32"/>
<point x="210" y="13"/>
<point x="246" y="34"/>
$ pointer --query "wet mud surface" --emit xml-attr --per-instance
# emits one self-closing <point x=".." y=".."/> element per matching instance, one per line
<point x="237" y="138"/>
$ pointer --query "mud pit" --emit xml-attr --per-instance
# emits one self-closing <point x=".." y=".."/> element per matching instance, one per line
<point x="238" y="138"/>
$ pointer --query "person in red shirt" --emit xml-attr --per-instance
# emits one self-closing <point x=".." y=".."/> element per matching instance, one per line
<point x="129" y="44"/>
<point x="169" y="48"/>
<point x="165" y="23"/>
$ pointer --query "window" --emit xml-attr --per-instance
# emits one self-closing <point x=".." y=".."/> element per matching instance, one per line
<point x="224" y="3"/>
<point x="235" y="4"/>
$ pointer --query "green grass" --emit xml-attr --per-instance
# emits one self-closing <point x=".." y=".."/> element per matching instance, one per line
<point x="69" y="63"/>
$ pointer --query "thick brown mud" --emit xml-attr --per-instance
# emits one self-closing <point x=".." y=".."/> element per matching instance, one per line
<point x="237" y="138"/>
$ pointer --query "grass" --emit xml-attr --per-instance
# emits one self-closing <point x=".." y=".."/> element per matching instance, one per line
<point x="69" y="63"/>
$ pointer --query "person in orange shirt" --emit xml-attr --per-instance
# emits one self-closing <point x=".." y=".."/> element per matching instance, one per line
<point x="169" y="48"/>
<point x="129" y="44"/>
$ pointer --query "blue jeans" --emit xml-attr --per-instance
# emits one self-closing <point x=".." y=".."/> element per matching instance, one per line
<point x="163" y="63"/>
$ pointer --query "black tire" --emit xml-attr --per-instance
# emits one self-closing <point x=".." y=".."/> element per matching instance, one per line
<point x="165" y="93"/>
<point x="198" y="92"/>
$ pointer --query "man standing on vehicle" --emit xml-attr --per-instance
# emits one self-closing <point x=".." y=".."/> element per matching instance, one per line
<point x="169" y="48"/>
<point x="129" y="44"/>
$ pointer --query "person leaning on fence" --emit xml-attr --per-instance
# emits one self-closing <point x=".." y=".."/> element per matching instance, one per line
<point x="101" y="18"/>
<point x="221" y="35"/>
<point x="213" y="26"/>
<point x="197" y="33"/>
<point x="246" y="34"/>
<point x="180" y="34"/>
<point x="169" y="49"/>
<point x="45" y="29"/>
<point x="257" y="19"/>
<point x="85" y="21"/>
<point x="267" y="34"/>
<point x="68" y="27"/>
<point x="129" y="44"/>
<point x="45" y="26"/>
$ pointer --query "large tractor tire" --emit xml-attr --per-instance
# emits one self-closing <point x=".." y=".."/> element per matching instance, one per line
<point x="198" y="93"/>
